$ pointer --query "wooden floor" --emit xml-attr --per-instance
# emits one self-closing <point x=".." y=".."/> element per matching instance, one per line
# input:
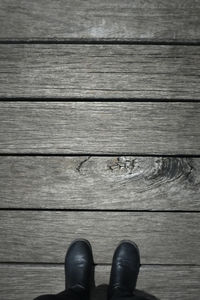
<point x="99" y="139"/>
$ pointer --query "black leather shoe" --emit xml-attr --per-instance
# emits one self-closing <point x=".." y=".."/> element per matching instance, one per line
<point x="124" y="270"/>
<point x="79" y="267"/>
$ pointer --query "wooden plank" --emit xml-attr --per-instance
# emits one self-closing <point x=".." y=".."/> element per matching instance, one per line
<point x="84" y="182"/>
<point x="24" y="282"/>
<point x="100" y="127"/>
<point x="100" y="71"/>
<point x="43" y="236"/>
<point x="100" y="20"/>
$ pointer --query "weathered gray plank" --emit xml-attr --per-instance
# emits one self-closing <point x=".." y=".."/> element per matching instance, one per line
<point x="100" y="127"/>
<point x="43" y="236"/>
<point x="24" y="282"/>
<point x="100" y="71"/>
<point x="96" y="20"/>
<point x="84" y="182"/>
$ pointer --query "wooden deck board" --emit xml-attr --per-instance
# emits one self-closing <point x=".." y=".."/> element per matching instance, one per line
<point x="43" y="236"/>
<point x="100" y="71"/>
<point x="100" y="127"/>
<point x="164" y="21"/>
<point x="139" y="51"/>
<point x="25" y="282"/>
<point x="84" y="182"/>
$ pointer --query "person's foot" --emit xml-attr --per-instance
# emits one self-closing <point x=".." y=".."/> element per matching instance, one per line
<point x="125" y="269"/>
<point x="79" y="267"/>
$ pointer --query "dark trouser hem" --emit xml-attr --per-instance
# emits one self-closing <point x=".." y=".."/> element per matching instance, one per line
<point x="73" y="295"/>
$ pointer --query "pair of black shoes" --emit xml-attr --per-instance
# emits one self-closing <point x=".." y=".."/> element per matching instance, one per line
<point x="79" y="268"/>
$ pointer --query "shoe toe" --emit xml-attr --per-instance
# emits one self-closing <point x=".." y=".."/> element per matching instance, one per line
<point x="79" y="250"/>
<point x="128" y="251"/>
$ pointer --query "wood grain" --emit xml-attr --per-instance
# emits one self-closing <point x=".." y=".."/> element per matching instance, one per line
<point x="100" y="127"/>
<point x="43" y="236"/>
<point x="25" y="282"/>
<point x="100" y="20"/>
<point x="85" y="182"/>
<point x="100" y="71"/>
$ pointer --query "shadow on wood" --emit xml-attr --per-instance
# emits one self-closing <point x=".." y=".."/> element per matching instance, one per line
<point x="144" y="295"/>
<point x="100" y="293"/>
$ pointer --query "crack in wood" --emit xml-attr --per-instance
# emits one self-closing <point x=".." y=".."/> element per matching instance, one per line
<point x="78" y="168"/>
